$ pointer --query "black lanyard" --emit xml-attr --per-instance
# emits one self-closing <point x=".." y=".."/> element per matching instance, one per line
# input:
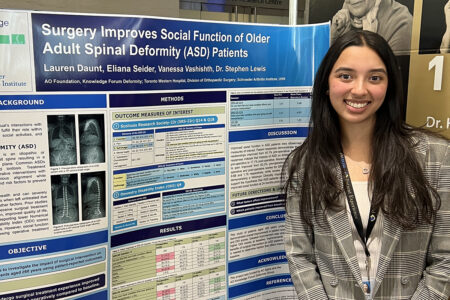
<point x="354" y="207"/>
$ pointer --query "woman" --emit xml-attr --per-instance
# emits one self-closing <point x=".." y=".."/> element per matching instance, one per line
<point x="368" y="208"/>
<point x="390" y="19"/>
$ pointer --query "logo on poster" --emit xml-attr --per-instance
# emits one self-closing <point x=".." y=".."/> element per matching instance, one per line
<point x="15" y="76"/>
<point x="15" y="39"/>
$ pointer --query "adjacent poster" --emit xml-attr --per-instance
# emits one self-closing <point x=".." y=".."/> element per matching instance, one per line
<point x="140" y="157"/>
<point x="429" y="94"/>
<point x="419" y="34"/>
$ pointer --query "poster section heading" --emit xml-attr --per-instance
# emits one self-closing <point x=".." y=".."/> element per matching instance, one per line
<point x="66" y="101"/>
<point x="167" y="230"/>
<point x="52" y="246"/>
<point x="107" y="53"/>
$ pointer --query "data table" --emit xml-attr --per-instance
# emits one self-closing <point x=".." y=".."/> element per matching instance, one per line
<point x="188" y="268"/>
<point x="269" y="109"/>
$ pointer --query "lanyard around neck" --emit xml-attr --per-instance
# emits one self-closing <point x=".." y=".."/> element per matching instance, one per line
<point x="354" y="206"/>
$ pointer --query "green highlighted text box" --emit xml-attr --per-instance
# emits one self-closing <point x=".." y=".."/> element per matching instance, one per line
<point x="18" y="39"/>
<point x="4" y="39"/>
<point x="19" y="284"/>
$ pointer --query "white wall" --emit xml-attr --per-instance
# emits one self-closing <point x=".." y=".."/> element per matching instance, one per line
<point x="162" y="8"/>
<point x="231" y="17"/>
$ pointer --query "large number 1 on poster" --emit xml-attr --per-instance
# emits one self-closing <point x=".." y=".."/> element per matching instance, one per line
<point x="438" y="63"/>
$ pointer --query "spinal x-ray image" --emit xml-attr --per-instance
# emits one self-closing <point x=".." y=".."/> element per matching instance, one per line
<point x="62" y="140"/>
<point x="91" y="139"/>
<point x="64" y="199"/>
<point x="93" y="195"/>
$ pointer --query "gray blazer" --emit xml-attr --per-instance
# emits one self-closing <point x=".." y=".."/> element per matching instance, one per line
<point x="413" y="264"/>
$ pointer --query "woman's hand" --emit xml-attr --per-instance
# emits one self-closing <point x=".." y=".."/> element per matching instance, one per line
<point x="341" y="23"/>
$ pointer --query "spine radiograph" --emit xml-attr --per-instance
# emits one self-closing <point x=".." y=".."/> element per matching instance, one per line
<point x="91" y="142"/>
<point x="65" y="201"/>
<point x="93" y="201"/>
<point x="62" y="143"/>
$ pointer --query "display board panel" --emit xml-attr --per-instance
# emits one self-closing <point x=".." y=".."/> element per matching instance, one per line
<point x="419" y="33"/>
<point x="140" y="157"/>
<point x="429" y="88"/>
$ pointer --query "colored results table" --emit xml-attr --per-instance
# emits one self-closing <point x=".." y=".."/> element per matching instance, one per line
<point x="188" y="268"/>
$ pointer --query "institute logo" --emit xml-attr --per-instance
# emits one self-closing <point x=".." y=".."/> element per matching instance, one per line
<point x="15" y="39"/>
<point x="16" y="74"/>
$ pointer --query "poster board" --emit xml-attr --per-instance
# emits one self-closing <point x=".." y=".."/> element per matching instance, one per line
<point x="429" y="88"/>
<point x="140" y="156"/>
<point x="415" y="31"/>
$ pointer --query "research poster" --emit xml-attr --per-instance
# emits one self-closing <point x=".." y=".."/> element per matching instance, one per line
<point x="140" y="157"/>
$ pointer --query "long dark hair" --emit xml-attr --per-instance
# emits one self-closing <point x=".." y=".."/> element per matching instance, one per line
<point x="399" y="186"/>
